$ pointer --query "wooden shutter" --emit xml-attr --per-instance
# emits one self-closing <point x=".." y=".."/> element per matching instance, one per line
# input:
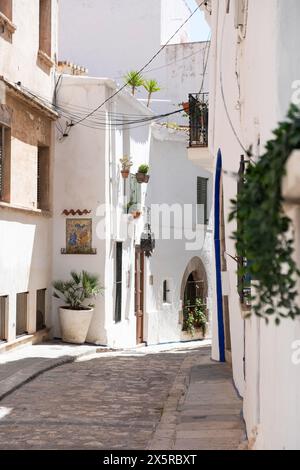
<point x="38" y="196"/>
<point x="119" y="263"/>
<point x="202" y="210"/>
<point x="1" y="160"/>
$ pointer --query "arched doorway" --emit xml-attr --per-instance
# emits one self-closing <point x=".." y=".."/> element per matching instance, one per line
<point x="194" y="287"/>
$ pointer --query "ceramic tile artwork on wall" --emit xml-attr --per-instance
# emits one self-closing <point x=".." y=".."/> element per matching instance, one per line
<point x="79" y="236"/>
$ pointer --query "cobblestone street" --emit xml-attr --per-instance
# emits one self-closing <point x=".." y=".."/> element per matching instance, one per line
<point x="109" y="401"/>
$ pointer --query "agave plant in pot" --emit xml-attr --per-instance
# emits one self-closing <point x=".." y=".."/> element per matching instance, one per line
<point x="76" y="315"/>
<point x="142" y="174"/>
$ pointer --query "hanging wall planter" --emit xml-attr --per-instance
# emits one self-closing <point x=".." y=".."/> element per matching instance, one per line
<point x="126" y="163"/>
<point x="125" y="174"/>
<point x="142" y="174"/>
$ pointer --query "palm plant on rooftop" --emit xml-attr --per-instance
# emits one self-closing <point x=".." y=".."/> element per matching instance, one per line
<point x="151" y="86"/>
<point x="134" y="79"/>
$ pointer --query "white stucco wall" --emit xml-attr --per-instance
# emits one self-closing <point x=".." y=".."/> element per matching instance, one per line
<point x="257" y="79"/>
<point x="18" y="60"/>
<point x="173" y="181"/>
<point x="87" y="174"/>
<point x="25" y="237"/>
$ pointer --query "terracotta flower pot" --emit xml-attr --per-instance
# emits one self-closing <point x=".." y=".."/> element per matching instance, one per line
<point x="136" y="214"/>
<point x="142" y="177"/>
<point x="186" y="107"/>
<point x="125" y="174"/>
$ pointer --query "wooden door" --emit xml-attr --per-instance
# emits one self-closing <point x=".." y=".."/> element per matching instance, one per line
<point x="139" y="294"/>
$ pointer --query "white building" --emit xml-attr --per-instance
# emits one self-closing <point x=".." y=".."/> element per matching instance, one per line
<point x="254" y="62"/>
<point x="87" y="180"/>
<point x="28" y="49"/>
<point x="180" y="269"/>
<point x="178" y="68"/>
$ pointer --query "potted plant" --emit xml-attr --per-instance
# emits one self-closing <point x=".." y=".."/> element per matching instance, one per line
<point x="134" y="79"/>
<point x="151" y="86"/>
<point x="195" y="317"/>
<point x="133" y="209"/>
<point x="126" y="163"/>
<point x="142" y="174"/>
<point x="76" y="315"/>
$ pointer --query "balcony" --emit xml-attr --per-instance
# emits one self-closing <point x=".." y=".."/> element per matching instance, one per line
<point x="198" y="130"/>
<point x="198" y="114"/>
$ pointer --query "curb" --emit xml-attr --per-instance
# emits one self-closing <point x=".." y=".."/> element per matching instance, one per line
<point x="20" y="378"/>
<point x="164" y="435"/>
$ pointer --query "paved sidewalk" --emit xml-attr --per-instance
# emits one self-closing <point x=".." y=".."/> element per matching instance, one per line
<point x="27" y="362"/>
<point x="208" y="416"/>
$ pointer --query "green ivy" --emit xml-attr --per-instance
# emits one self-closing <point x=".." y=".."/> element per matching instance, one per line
<point x="263" y="235"/>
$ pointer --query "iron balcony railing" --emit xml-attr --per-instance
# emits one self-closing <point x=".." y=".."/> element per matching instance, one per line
<point x="198" y="115"/>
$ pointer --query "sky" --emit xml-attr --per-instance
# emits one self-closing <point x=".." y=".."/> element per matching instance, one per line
<point x="200" y="29"/>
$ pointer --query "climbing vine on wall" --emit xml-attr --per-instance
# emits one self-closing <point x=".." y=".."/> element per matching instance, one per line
<point x="264" y="232"/>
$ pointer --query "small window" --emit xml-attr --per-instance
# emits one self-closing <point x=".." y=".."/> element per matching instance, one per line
<point x="6" y="8"/>
<point x="4" y="163"/>
<point x="3" y="317"/>
<point x="202" y="209"/>
<point x="166" y="292"/>
<point x="22" y="309"/>
<point x="119" y="279"/>
<point x="40" y="309"/>
<point x="43" y="178"/>
<point x="135" y="196"/>
<point x="45" y="27"/>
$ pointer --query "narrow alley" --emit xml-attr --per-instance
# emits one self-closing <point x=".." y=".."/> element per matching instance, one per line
<point x="163" y="397"/>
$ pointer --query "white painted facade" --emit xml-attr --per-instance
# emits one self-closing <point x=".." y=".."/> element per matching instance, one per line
<point x="18" y="59"/>
<point x="86" y="176"/>
<point x="25" y="231"/>
<point x="257" y="68"/>
<point x="174" y="182"/>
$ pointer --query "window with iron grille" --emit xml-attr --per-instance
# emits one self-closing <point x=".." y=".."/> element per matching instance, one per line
<point x="202" y="201"/>
<point x="119" y="280"/>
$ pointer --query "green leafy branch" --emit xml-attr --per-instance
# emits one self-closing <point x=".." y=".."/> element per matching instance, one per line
<point x="264" y="233"/>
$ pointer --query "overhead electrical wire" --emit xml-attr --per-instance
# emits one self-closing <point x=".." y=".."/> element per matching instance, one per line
<point x="119" y="119"/>
<point x="103" y="124"/>
<point x="139" y="71"/>
<point x="122" y="122"/>
<point x="166" y="65"/>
